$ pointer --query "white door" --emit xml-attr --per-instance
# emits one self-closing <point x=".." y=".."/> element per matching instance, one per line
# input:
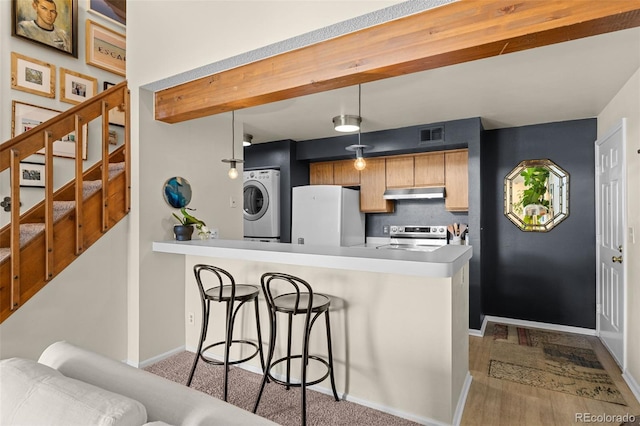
<point x="610" y="224"/>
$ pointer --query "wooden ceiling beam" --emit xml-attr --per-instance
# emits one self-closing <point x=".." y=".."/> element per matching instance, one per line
<point x="454" y="33"/>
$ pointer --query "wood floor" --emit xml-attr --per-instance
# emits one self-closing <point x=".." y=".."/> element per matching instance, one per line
<point x="499" y="402"/>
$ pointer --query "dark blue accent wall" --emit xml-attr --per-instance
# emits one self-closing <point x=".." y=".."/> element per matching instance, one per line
<point x="547" y="277"/>
<point x="280" y="155"/>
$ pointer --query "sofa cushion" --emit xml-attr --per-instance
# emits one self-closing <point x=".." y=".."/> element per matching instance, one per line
<point x="35" y="394"/>
<point x="166" y="401"/>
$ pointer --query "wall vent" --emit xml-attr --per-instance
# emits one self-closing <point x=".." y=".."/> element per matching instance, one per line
<point x="431" y="135"/>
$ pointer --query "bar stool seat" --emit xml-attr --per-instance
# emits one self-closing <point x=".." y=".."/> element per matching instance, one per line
<point x="296" y="302"/>
<point x="229" y="293"/>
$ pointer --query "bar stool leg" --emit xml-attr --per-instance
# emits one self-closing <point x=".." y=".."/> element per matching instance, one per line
<point x="303" y="372"/>
<point x="227" y="345"/>
<point x="259" y="333"/>
<point x="289" y="352"/>
<point x="333" y="380"/>
<point x="203" y="336"/>
<point x="272" y="344"/>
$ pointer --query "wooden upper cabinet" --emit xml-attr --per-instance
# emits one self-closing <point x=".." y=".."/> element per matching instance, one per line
<point x="321" y="173"/>
<point x="429" y="169"/>
<point x="345" y="174"/>
<point x="372" y="187"/>
<point x="456" y="167"/>
<point x="399" y="172"/>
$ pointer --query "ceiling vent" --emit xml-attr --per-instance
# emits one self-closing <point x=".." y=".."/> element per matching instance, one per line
<point x="431" y="135"/>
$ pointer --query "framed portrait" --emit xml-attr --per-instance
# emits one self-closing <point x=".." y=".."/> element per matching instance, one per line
<point x="51" y="23"/>
<point x="76" y="88"/>
<point x="112" y="10"/>
<point x="106" y="49"/>
<point x="32" y="174"/>
<point x="33" y="76"/>
<point x="25" y="117"/>
<point x="116" y="115"/>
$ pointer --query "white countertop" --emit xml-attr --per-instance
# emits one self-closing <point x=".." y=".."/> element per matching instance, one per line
<point x="443" y="262"/>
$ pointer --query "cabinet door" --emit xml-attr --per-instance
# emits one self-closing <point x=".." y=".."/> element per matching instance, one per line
<point x="456" y="166"/>
<point x="345" y="174"/>
<point x="321" y="173"/>
<point x="399" y="172"/>
<point x="429" y="169"/>
<point x="372" y="187"/>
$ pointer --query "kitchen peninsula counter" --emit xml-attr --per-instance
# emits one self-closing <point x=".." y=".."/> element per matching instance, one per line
<point x="399" y="319"/>
<point x="443" y="262"/>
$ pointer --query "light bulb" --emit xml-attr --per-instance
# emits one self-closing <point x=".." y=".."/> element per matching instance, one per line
<point x="233" y="173"/>
<point x="360" y="164"/>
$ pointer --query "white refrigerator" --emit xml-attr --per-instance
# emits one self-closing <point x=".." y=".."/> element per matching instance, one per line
<point x="327" y="215"/>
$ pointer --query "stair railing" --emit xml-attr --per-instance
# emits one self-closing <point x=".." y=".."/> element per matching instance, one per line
<point x="42" y="137"/>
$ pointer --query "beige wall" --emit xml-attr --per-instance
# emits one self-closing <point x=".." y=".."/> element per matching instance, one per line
<point x="209" y="32"/>
<point x="627" y="104"/>
<point x="84" y="305"/>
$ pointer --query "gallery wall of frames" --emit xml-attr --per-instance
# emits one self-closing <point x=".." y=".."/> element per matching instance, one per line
<point x="58" y="53"/>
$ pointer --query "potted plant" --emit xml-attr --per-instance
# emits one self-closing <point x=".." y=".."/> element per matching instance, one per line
<point x="184" y="230"/>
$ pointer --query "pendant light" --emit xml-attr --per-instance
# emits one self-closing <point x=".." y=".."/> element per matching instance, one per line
<point x="233" y="172"/>
<point x="360" y="163"/>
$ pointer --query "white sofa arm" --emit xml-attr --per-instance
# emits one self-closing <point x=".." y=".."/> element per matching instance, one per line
<point x="164" y="400"/>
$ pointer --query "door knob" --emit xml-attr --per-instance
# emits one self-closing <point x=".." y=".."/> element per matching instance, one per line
<point x="615" y="259"/>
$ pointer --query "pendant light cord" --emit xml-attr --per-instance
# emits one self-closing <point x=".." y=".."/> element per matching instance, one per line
<point x="360" y="112"/>
<point x="233" y="142"/>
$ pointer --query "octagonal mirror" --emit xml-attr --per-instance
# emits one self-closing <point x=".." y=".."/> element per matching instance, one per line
<point x="536" y="195"/>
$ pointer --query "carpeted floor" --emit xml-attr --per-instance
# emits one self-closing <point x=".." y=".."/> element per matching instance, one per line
<point x="277" y="404"/>
<point x="552" y="361"/>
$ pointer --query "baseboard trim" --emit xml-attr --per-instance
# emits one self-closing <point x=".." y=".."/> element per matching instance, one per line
<point x="153" y="360"/>
<point x="327" y="391"/>
<point x="541" y="325"/>
<point x="462" y="400"/>
<point x="476" y="333"/>
<point x="632" y="383"/>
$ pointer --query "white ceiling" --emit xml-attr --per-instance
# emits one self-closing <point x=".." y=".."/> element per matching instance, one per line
<point x="565" y="81"/>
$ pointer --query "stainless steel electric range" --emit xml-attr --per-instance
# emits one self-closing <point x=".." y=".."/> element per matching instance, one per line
<point x="416" y="238"/>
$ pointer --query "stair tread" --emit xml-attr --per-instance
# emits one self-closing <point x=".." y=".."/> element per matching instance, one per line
<point x="29" y="231"/>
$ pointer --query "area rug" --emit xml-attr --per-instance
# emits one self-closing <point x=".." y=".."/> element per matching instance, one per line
<point x="554" y="361"/>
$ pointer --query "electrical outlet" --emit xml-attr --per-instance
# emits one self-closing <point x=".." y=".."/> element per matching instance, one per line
<point x="385" y="229"/>
<point x="214" y="233"/>
<point x="232" y="202"/>
<point x="191" y="318"/>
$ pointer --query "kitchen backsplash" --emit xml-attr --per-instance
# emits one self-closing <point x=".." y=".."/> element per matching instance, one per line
<point x="413" y="212"/>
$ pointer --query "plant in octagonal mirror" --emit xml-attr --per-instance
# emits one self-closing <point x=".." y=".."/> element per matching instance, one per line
<point x="536" y="195"/>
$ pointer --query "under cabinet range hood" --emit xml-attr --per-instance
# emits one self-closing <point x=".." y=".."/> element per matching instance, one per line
<point x="414" y="193"/>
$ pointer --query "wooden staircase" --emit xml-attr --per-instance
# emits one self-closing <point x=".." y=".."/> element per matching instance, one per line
<point x="37" y="245"/>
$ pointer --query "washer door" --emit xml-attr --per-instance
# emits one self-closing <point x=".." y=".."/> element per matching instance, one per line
<point x="256" y="200"/>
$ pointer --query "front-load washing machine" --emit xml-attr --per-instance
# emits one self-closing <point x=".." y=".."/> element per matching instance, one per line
<point x="262" y="205"/>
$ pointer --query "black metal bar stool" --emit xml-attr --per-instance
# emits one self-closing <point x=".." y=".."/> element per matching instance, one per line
<point x="229" y="294"/>
<point x="293" y="302"/>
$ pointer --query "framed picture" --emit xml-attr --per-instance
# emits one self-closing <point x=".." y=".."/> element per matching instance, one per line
<point x="116" y="115"/>
<point x="51" y="23"/>
<point x="25" y="117"/>
<point x="32" y="174"/>
<point x="33" y="76"/>
<point x="76" y="88"/>
<point x="106" y="48"/>
<point x="112" y="10"/>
